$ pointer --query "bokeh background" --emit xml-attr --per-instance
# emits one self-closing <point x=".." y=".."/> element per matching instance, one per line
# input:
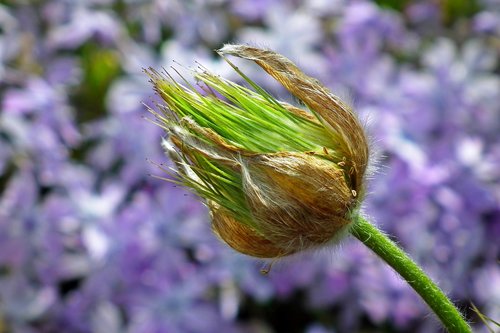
<point x="90" y="242"/>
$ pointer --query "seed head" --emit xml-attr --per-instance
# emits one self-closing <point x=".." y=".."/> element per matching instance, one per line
<point x="277" y="179"/>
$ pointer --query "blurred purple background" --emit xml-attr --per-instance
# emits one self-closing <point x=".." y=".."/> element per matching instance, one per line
<point x="89" y="242"/>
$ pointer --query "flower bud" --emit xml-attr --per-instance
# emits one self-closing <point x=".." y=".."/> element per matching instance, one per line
<point x="276" y="179"/>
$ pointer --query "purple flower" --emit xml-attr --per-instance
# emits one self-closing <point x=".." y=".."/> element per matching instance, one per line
<point x="84" y="24"/>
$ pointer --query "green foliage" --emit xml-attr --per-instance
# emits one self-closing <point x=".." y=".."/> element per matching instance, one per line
<point x="452" y="10"/>
<point x="100" y="67"/>
<point x="456" y="9"/>
<point x="398" y="5"/>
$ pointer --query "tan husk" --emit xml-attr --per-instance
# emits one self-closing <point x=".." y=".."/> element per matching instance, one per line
<point x="241" y="237"/>
<point x="271" y="204"/>
<point x="336" y="115"/>
<point x="299" y="201"/>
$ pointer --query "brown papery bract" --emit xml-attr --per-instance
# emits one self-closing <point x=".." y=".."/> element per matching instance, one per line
<point x="299" y="201"/>
<point x="277" y="179"/>
<point x="335" y="114"/>
<point x="242" y="238"/>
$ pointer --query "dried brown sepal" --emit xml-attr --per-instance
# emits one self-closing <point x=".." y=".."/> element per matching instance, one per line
<point x="299" y="201"/>
<point x="241" y="237"/>
<point x="299" y="112"/>
<point x="206" y="142"/>
<point x="336" y="115"/>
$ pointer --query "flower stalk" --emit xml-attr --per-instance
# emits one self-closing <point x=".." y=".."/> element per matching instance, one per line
<point x="395" y="257"/>
<point x="278" y="179"/>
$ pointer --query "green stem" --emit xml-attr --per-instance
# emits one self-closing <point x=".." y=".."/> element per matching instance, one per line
<point x="412" y="273"/>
